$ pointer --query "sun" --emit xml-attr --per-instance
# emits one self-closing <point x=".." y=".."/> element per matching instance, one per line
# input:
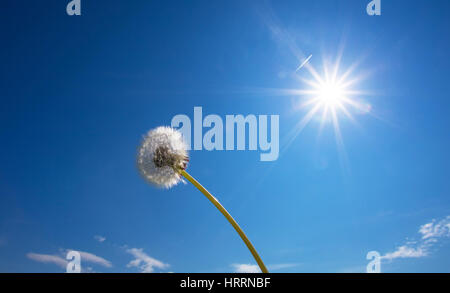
<point x="330" y="94"/>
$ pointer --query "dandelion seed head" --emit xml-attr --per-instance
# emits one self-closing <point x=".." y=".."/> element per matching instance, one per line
<point x="161" y="157"/>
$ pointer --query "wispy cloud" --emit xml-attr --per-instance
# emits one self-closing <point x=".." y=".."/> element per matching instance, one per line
<point x="59" y="259"/>
<point x="144" y="262"/>
<point x="47" y="258"/>
<point x="435" y="229"/>
<point x="430" y="234"/>
<point x="250" y="268"/>
<point x="406" y="251"/>
<point x="245" y="268"/>
<point x="99" y="238"/>
<point x="92" y="258"/>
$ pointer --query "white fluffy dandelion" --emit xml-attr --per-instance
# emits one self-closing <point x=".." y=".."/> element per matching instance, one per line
<point x="162" y="160"/>
<point x="161" y="156"/>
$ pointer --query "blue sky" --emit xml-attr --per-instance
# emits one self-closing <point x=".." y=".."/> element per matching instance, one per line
<point x="78" y="93"/>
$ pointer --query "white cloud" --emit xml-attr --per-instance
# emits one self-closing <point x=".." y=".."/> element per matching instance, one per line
<point x="436" y="229"/>
<point x="60" y="260"/>
<point x="246" y="268"/>
<point x="47" y="258"/>
<point x="144" y="262"/>
<point x="430" y="233"/>
<point x="99" y="238"/>
<point x="92" y="258"/>
<point x="249" y="268"/>
<point x="406" y="252"/>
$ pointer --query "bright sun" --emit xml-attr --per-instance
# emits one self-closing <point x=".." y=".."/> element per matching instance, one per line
<point x="327" y="95"/>
<point x="330" y="94"/>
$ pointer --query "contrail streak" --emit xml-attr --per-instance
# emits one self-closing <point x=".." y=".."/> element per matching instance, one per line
<point x="303" y="64"/>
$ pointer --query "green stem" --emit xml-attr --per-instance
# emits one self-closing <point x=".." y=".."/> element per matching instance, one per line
<point x="230" y="219"/>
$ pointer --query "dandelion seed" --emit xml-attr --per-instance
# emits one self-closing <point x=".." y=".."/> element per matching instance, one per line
<point x="161" y="156"/>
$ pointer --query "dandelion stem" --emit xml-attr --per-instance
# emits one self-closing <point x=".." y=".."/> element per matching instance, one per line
<point x="230" y="219"/>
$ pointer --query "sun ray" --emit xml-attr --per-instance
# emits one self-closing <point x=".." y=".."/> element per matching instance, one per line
<point x="336" y="67"/>
<point x="300" y="125"/>
<point x="314" y="73"/>
<point x="342" y="153"/>
<point x="346" y="112"/>
<point x="322" y="120"/>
